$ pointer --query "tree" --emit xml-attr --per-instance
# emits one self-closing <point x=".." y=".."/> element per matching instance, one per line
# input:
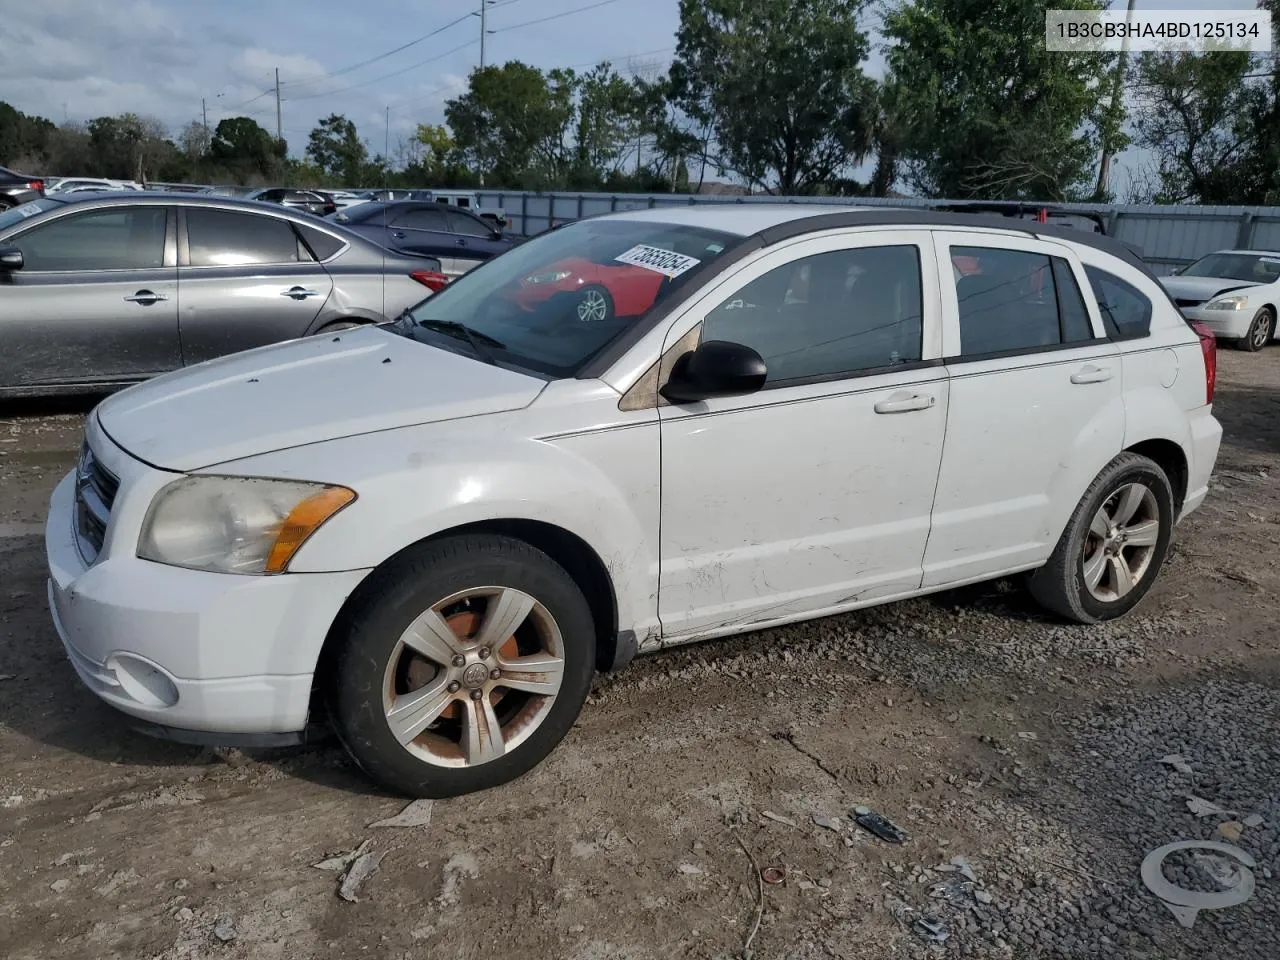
<point x="22" y="137"/>
<point x="246" y="150"/>
<point x="129" y="146"/>
<point x="335" y="147"/>
<point x="608" y="123"/>
<point x="1195" y="112"/>
<point x="195" y="140"/>
<point x="781" y="85"/>
<point x="513" y="124"/>
<point x="982" y="109"/>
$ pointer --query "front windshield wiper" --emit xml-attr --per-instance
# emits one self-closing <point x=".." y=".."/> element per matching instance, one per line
<point x="479" y="342"/>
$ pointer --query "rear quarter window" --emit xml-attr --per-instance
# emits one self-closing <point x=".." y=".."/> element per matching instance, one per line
<point x="323" y="245"/>
<point x="1126" y="310"/>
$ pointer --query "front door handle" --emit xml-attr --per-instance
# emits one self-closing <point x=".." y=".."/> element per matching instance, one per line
<point x="903" y="402"/>
<point x="460" y="242"/>
<point x="1091" y="374"/>
<point x="398" y="234"/>
<point x="299" y="293"/>
<point x="146" y="298"/>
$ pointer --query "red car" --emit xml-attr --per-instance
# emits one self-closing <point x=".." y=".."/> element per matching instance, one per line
<point x="603" y="291"/>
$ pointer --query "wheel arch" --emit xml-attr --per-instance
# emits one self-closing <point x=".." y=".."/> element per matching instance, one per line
<point x="614" y="648"/>
<point x="1172" y="459"/>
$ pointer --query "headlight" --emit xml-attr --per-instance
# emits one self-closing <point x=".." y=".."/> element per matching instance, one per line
<point x="1228" y="303"/>
<point x="554" y="276"/>
<point x="236" y="524"/>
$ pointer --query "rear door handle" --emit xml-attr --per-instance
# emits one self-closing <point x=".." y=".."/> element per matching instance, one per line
<point x="1091" y="374"/>
<point x="460" y="242"/>
<point x="146" y="298"/>
<point x="299" y="293"/>
<point x="398" y="234"/>
<point x="903" y="402"/>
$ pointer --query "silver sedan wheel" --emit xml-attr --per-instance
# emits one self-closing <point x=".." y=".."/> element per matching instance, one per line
<point x="473" y="676"/>
<point x="1121" y="542"/>
<point x="593" y="307"/>
<point x="1260" y="335"/>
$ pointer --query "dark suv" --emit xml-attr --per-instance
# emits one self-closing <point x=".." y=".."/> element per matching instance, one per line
<point x="17" y="188"/>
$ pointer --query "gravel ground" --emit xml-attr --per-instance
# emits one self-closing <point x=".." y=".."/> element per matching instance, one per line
<point x="1022" y="757"/>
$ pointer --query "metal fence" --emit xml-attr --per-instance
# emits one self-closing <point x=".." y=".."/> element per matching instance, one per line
<point x="1169" y="236"/>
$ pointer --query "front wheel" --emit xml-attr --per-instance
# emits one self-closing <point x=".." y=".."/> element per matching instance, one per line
<point x="1114" y="545"/>
<point x="462" y="666"/>
<point x="595" y="305"/>
<point x="1260" y="332"/>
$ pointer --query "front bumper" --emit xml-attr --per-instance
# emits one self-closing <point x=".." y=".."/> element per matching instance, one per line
<point x="1225" y="324"/>
<point x="185" y="649"/>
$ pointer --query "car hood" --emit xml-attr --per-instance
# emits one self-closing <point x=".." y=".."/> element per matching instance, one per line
<point x="304" y="391"/>
<point x="1202" y="288"/>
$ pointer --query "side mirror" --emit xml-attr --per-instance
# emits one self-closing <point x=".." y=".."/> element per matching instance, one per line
<point x="11" y="258"/>
<point x="717" y="368"/>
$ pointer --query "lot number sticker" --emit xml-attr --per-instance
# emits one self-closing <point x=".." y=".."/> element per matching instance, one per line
<point x="666" y="262"/>
<point x="28" y="210"/>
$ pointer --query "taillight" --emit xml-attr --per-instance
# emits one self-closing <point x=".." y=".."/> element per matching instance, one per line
<point x="433" y="281"/>
<point x="37" y="185"/>
<point x="1209" y="349"/>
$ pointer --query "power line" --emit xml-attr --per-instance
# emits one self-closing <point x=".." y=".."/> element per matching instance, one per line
<point x="556" y="16"/>
<point x="385" y="76"/>
<point x="382" y="56"/>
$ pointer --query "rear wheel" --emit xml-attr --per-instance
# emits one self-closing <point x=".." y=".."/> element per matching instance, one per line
<point x="1112" y="549"/>
<point x="1260" y="332"/>
<point x="462" y="666"/>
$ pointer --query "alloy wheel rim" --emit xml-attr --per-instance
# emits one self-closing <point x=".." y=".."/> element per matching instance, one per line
<point x="592" y="308"/>
<point x="1121" y="542"/>
<point x="473" y="676"/>
<point x="1262" y="331"/>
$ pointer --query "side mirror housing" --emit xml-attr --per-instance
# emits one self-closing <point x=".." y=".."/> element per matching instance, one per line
<point x="11" y="258"/>
<point x="717" y="368"/>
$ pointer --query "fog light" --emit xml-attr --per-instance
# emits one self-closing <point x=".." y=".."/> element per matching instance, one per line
<point x="142" y="680"/>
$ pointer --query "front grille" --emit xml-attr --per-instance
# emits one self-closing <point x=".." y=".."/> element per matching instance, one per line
<point x="96" y="489"/>
<point x="1188" y="303"/>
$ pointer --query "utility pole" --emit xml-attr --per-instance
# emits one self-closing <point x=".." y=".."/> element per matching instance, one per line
<point x="279" y="122"/>
<point x="204" y="115"/>
<point x="386" y="150"/>
<point x="1115" y="111"/>
<point x="484" y="23"/>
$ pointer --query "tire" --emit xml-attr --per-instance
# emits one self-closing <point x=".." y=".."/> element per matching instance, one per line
<point x="594" y="304"/>
<point x="1063" y="584"/>
<point x="1261" y="330"/>
<point x="460" y="580"/>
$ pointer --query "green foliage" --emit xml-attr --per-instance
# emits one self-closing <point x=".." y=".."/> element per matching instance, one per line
<point x="246" y="151"/>
<point x="23" y="139"/>
<point x="982" y="110"/>
<point x="780" y="84"/>
<point x="335" y="147"/>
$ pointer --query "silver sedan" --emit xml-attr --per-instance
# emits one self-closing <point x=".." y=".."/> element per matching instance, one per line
<point x="101" y="290"/>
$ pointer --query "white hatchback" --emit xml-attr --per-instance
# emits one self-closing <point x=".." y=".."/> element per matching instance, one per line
<point x="631" y="432"/>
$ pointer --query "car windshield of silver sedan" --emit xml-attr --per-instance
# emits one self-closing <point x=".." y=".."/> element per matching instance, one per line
<point x="553" y="303"/>
<point x="1249" y="267"/>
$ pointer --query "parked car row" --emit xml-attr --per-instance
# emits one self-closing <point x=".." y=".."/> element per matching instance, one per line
<point x="98" y="290"/>
<point x="458" y="238"/>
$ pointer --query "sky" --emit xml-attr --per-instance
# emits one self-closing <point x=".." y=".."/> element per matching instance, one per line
<point x="79" y="59"/>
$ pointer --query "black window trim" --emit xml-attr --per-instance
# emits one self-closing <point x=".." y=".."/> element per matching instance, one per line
<point x="169" y="250"/>
<point x="1118" y="336"/>
<point x="184" y="243"/>
<point x="343" y="242"/>
<point x="859" y="371"/>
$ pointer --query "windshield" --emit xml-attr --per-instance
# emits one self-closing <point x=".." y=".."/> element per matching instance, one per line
<point x="26" y="211"/>
<point x="1249" y="267"/>
<point x="554" y="302"/>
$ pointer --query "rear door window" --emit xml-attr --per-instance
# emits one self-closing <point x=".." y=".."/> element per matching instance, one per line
<point x="118" y="238"/>
<point x="1126" y="311"/>
<point x="468" y="226"/>
<point x="226" y="238"/>
<point x="1016" y="301"/>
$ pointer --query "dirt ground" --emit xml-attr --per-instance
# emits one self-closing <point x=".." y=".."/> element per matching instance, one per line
<point x="985" y="730"/>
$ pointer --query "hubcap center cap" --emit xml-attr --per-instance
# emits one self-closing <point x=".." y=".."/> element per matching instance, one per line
<point x="475" y="676"/>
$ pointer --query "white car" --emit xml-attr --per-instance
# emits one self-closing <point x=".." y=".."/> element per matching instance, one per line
<point x="441" y="528"/>
<point x="1233" y="292"/>
<point x="74" y="184"/>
